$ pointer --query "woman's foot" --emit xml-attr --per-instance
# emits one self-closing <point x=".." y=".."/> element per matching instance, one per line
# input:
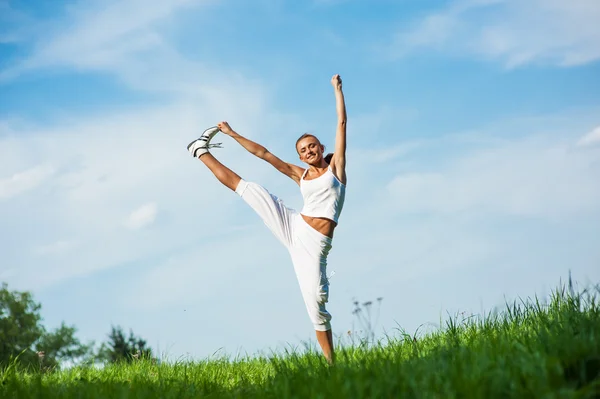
<point x="201" y="145"/>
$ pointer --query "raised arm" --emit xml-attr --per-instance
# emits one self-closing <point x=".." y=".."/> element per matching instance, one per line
<point x="292" y="171"/>
<point x="338" y="162"/>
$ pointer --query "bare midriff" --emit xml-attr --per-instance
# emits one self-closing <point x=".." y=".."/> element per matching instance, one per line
<point x="322" y="225"/>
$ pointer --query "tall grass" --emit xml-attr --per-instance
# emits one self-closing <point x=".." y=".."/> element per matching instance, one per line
<point x="527" y="350"/>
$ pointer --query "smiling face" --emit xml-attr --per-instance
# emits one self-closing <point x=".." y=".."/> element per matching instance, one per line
<point x="310" y="150"/>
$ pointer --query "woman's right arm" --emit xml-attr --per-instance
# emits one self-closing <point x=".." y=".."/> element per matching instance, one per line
<point x="251" y="146"/>
<point x="292" y="171"/>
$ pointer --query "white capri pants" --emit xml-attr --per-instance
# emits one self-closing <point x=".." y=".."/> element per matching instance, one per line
<point x="307" y="247"/>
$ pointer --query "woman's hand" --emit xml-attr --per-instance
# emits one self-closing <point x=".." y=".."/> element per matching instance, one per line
<point x="225" y="128"/>
<point x="336" y="82"/>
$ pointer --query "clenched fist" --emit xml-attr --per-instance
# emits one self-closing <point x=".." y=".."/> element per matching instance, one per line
<point x="224" y="127"/>
<point x="336" y="82"/>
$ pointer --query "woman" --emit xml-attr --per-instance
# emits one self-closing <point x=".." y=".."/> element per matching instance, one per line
<point x="306" y="234"/>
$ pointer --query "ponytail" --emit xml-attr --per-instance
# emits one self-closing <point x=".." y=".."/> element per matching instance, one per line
<point x="328" y="157"/>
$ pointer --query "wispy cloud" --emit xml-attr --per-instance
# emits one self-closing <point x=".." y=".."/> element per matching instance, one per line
<point x="514" y="32"/>
<point x="526" y="177"/>
<point x="591" y="138"/>
<point x="105" y="36"/>
<point x="142" y="217"/>
<point x="109" y="164"/>
<point x="13" y="24"/>
<point x="106" y="167"/>
<point x="24" y="181"/>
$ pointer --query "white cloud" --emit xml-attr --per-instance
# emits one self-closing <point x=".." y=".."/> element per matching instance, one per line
<point x="591" y="138"/>
<point x="526" y="177"/>
<point x="105" y="165"/>
<point x="142" y="217"/>
<point x="131" y="40"/>
<point x="25" y="181"/>
<point x="515" y="32"/>
<point x="124" y="37"/>
<point x="13" y="23"/>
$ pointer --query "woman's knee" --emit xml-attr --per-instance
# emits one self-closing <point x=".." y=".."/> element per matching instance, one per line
<point x="319" y="315"/>
<point x="321" y="320"/>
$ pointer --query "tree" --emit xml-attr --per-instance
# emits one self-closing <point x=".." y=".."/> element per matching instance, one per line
<point x="19" y="325"/>
<point x="119" y="348"/>
<point x="61" y="345"/>
<point x="23" y="339"/>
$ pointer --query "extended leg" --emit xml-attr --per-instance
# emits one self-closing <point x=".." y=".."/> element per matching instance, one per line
<point x="225" y="175"/>
<point x="199" y="149"/>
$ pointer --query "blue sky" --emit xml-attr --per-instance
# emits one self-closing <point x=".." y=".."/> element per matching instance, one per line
<point x="473" y="160"/>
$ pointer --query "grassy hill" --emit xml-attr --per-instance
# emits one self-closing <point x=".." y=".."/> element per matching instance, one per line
<point x="527" y="350"/>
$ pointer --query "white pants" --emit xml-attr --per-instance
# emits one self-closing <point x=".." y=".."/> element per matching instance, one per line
<point x="307" y="247"/>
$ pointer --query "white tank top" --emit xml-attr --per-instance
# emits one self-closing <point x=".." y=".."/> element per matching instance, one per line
<point x="323" y="196"/>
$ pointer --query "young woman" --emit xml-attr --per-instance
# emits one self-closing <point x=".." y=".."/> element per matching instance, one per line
<point x="306" y="234"/>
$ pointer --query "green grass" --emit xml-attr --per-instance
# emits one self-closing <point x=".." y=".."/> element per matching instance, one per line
<point x="528" y="350"/>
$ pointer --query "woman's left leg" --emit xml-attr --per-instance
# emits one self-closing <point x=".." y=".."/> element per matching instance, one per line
<point x="325" y="339"/>
<point x="315" y="292"/>
<point x="309" y="255"/>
